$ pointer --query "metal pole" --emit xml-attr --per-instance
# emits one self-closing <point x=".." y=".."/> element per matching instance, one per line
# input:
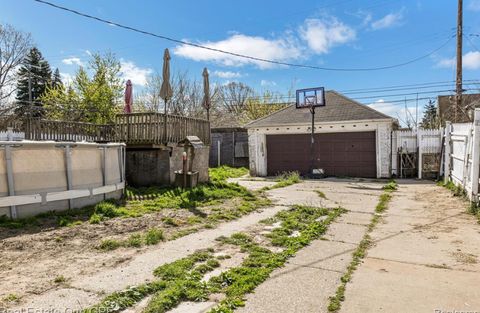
<point x="312" y="141"/>
<point x="165" y="122"/>
<point x="459" y="88"/>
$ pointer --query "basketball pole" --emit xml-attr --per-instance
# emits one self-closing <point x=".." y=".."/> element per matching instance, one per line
<point x="312" y="140"/>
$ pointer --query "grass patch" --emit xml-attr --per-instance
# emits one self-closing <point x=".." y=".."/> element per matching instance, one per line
<point x="150" y="237"/>
<point x="284" y="180"/>
<point x="59" y="279"/>
<point x="182" y="280"/>
<point x="158" y="198"/>
<point x="321" y="194"/>
<point x="11" y="297"/>
<point x="361" y="251"/>
<point x="222" y="173"/>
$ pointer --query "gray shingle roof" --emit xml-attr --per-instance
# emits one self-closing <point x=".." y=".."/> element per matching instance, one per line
<point x="338" y="108"/>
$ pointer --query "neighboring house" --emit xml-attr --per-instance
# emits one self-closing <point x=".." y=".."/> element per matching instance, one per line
<point x="351" y="139"/>
<point x="446" y="103"/>
<point x="229" y="144"/>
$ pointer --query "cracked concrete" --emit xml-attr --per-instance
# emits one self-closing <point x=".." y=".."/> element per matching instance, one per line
<point x="425" y="256"/>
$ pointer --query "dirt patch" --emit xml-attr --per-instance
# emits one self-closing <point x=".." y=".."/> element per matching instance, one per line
<point x="73" y="251"/>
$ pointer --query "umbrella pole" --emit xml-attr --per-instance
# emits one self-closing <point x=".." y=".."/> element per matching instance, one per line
<point x="165" y="122"/>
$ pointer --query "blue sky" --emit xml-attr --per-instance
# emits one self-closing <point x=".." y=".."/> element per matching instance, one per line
<point x="330" y="33"/>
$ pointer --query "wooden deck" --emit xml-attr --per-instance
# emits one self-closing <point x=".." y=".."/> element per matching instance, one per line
<point x="132" y="129"/>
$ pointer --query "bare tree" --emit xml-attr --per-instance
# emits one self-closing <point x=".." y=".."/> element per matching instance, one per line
<point x="234" y="97"/>
<point x="14" y="45"/>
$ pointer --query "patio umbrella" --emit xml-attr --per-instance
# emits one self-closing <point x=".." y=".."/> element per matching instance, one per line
<point x="166" y="91"/>
<point x="128" y="97"/>
<point x="206" y="92"/>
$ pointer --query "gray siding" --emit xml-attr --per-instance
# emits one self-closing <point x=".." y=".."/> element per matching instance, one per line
<point x="233" y="147"/>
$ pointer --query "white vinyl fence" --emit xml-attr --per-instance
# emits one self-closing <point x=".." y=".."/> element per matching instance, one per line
<point x="462" y="155"/>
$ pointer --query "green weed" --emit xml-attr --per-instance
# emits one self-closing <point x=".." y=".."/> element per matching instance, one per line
<point x="360" y="252"/>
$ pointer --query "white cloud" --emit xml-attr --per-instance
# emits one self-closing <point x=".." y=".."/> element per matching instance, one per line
<point x="471" y="61"/>
<point x="474" y="5"/>
<point x="279" y="49"/>
<point x="227" y="74"/>
<point x="88" y="52"/>
<point x="315" y="36"/>
<point x="136" y="74"/>
<point x="322" y="34"/>
<point x="72" y="61"/>
<point x="267" y="83"/>
<point x="67" y="78"/>
<point x="397" y="110"/>
<point x="389" y="20"/>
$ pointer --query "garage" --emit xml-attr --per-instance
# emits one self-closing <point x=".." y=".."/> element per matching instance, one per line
<point x="338" y="154"/>
<point x="351" y="139"/>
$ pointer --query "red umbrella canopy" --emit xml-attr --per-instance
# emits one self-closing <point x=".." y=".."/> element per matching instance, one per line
<point x="128" y="97"/>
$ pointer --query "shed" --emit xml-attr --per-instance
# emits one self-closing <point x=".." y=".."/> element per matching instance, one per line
<point x="229" y="143"/>
<point x="351" y="139"/>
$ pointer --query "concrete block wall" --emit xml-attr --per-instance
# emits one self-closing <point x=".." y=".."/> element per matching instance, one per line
<point x="157" y="166"/>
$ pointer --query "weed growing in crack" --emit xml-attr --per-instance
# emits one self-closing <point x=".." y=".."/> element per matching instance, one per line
<point x="361" y="251"/>
<point x="182" y="280"/>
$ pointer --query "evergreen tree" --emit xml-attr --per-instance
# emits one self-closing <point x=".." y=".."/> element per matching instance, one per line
<point x="36" y="69"/>
<point x="56" y="79"/>
<point x="430" y="118"/>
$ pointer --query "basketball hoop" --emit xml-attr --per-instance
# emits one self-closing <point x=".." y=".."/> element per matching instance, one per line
<point x="311" y="98"/>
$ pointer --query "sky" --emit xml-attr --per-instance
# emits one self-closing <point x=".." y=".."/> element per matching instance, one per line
<point x="328" y="33"/>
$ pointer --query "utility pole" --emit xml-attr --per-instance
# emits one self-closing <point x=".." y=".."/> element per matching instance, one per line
<point x="459" y="87"/>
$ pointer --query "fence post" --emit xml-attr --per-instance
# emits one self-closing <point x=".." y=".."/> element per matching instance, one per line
<point x="448" y="150"/>
<point x="10" y="180"/>
<point x="420" y="153"/>
<point x="475" y="155"/>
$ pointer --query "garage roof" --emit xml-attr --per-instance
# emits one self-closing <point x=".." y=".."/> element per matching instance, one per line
<point x="338" y="108"/>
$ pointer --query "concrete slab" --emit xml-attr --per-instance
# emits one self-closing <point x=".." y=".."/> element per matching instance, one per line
<point x="347" y="233"/>
<point x="425" y="257"/>
<point x="358" y="218"/>
<point x="386" y="286"/>
<point x="293" y="289"/>
<point x="322" y="254"/>
<point x="193" y="307"/>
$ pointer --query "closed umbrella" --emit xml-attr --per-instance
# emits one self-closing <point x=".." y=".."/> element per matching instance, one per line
<point x="128" y="97"/>
<point x="206" y="92"/>
<point x="166" y="91"/>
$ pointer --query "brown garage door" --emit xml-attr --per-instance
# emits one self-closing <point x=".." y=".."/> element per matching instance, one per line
<point x="339" y="154"/>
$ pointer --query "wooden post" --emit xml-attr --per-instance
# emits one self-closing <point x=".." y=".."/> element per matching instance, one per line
<point x="448" y="151"/>
<point x="10" y="178"/>
<point x="475" y="155"/>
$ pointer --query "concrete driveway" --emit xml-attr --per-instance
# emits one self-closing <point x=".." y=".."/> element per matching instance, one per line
<point x="425" y="257"/>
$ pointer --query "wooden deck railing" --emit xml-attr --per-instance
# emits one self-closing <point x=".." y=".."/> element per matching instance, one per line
<point x="135" y="128"/>
<point x="39" y="129"/>
<point x="158" y="128"/>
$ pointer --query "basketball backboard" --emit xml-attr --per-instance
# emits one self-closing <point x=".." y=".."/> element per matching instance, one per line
<point x="310" y="97"/>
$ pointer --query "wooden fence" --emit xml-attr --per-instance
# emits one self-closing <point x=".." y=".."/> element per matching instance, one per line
<point x="135" y="128"/>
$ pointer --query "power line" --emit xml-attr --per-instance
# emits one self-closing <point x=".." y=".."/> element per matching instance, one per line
<point x="178" y="41"/>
